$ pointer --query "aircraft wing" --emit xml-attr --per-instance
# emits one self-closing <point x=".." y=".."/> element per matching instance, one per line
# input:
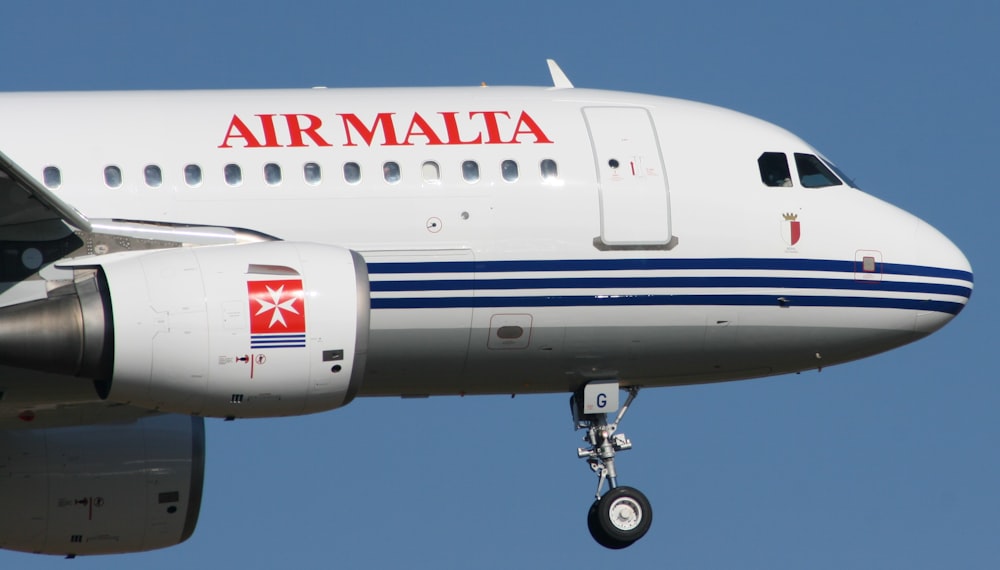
<point x="26" y="200"/>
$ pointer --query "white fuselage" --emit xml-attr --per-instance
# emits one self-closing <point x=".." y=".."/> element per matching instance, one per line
<point x="535" y="284"/>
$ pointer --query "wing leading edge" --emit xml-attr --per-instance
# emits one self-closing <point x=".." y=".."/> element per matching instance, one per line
<point x="36" y="204"/>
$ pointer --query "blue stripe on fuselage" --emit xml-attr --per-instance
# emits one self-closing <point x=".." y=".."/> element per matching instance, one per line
<point x="475" y="285"/>
<point x="665" y="300"/>
<point x="664" y="283"/>
<point x="773" y="264"/>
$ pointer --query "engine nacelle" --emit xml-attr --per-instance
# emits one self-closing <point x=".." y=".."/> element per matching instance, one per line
<point x="268" y="329"/>
<point x="101" y="489"/>
<point x="255" y="330"/>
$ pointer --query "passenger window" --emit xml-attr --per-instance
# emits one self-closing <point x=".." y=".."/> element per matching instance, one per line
<point x="508" y="169"/>
<point x="192" y="175"/>
<point x="312" y="173"/>
<point x="470" y="171"/>
<point x="234" y="174"/>
<point x="390" y="172"/>
<point x="549" y="170"/>
<point x="352" y="172"/>
<point x="52" y="177"/>
<point x="431" y="172"/>
<point x="153" y="176"/>
<point x="272" y="174"/>
<point x="813" y="173"/>
<point x="113" y="176"/>
<point x="774" y="169"/>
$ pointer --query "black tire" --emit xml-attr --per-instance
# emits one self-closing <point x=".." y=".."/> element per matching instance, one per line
<point x="594" y="526"/>
<point x="624" y="515"/>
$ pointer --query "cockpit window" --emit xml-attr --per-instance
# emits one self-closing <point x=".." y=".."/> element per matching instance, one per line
<point x="813" y="173"/>
<point x="774" y="169"/>
<point x="840" y="173"/>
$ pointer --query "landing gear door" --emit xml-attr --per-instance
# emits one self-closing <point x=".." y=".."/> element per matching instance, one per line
<point x="635" y="199"/>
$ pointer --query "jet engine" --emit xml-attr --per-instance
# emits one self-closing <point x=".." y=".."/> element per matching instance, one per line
<point x="252" y="330"/>
<point x="101" y="489"/>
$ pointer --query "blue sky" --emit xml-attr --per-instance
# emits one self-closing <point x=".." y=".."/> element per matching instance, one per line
<point x="890" y="462"/>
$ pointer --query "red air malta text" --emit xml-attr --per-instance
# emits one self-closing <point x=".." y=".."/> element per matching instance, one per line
<point x="383" y="129"/>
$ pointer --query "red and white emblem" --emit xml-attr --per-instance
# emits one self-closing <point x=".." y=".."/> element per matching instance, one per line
<point x="277" y="313"/>
<point x="791" y="229"/>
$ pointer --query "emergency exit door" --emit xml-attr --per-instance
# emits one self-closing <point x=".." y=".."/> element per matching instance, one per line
<point x="635" y="199"/>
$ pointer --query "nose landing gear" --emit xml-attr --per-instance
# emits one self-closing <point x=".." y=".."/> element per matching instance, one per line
<point x="623" y="514"/>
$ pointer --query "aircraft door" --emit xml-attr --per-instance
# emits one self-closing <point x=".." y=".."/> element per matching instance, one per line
<point x="635" y="199"/>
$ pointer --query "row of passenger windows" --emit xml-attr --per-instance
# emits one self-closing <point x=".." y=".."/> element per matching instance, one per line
<point x="814" y="172"/>
<point x="430" y="172"/>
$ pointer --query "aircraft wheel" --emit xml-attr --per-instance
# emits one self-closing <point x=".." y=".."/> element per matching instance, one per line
<point x="594" y="526"/>
<point x="619" y="518"/>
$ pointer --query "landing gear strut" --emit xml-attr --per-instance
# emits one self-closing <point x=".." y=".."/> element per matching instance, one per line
<point x="623" y="514"/>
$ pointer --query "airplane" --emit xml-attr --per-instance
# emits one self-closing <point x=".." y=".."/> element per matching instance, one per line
<point x="175" y="256"/>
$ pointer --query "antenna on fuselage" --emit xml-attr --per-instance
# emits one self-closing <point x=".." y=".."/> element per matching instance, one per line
<point x="559" y="79"/>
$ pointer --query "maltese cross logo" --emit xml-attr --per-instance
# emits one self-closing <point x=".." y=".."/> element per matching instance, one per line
<point x="276" y="307"/>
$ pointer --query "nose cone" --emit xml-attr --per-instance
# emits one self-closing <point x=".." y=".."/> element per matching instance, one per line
<point x="945" y="265"/>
